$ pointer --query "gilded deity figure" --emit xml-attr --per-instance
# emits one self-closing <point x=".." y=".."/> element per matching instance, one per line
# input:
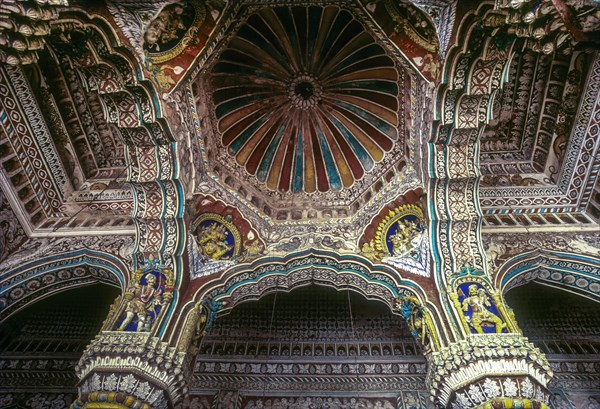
<point x="141" y="303"/>
<point x="479" y="303"/>
<point x="402" y="239"/>
<point x="212" y="242"/>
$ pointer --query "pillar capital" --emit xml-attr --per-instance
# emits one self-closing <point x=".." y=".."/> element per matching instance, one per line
<point x="119" y="366"/>
<point x="486" y="368"/>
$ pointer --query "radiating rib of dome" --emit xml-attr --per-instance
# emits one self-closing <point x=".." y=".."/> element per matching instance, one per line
<point x="305" y="98"/>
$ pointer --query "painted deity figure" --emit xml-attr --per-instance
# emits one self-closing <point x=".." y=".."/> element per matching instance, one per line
<point x="167" y="27"/>
<point x="141" y="302"/>
<point x="206" y="318"/>
<point x="413" y="314"/>
<point x="405" y="237"/>
<point x="400" y="239"/>
<point x="212" y="242"/>
<point x="479" y="302"/>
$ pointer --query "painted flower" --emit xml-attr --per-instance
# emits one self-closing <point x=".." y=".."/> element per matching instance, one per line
<point x="510" y="388"/>
<point x="527" y="388"/>
<point x="128" y="383"/>
<point x="491" y="388"/>
<point x="476" y="394"/>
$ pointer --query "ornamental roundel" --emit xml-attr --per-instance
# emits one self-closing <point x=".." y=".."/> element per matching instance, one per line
<point x="399" y="234"/>
<point x="305" y="99"/>
<point x="172" y="30"/>
<point x="217" y="237"/>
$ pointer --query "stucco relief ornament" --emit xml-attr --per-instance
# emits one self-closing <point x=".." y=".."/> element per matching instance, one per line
<point x="217" y="238"/>
<point x="418" y="319"/>
<point x="150" y="292"/>
<point x="207" y="313"/>
<point x="401" y="241"/>
<point x="479" y="311"/>
<point x="216" y="244"/>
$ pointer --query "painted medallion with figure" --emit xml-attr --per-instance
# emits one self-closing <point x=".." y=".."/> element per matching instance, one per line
<point x="217" y="237"/>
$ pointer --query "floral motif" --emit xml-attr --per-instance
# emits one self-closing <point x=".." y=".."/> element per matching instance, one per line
<point x="158" y="394"/>
<point x="96" y="383"/>
<point x="143" y="389"/>
<point x="5" y="400"/>
<point x="491" y="388"/>
<point x="110" y="383"/>
<point x="540" y="395"/>
<point x="527" y="388"/>
<point x="476" y="394"/>
<point x="510" y="388"/>
<point x="128" y="383"/>
<point x="462" y="400"/>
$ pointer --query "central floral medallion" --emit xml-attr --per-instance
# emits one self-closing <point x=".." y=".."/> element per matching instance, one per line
<point x="305" y="92"/>
<point x="305" y="99"/>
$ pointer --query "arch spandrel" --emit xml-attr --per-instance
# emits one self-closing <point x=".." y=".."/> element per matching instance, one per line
<point x="251" y="281"/>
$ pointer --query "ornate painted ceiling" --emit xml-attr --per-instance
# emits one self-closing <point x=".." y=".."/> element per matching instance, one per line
<point x="306" y="108"/>
<point x="299" y="114"/>
<point x="305" y="99"/>
<point x="213" y="151"/>
<point x="311" y="119"/>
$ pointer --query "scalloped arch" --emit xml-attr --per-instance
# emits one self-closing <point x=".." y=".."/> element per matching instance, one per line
<point x="576" y="273"/>
<point x="38" y="279"/>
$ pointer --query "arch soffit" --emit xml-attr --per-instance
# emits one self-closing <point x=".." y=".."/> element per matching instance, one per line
<point x="38" y="279"/>
<point x="576" y="273"/>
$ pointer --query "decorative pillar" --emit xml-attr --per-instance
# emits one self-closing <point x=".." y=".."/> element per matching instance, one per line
<point x="490" y="371"/>
<point x="493" y="365"/>
<point x="127" y="364"/>
<point x="484" y="361"/>
<point x="131" y="363"/>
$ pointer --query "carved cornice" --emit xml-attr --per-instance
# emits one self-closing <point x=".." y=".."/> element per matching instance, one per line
<point x="465" y="362"/>
<point x="24" y="24"/>
<point x="130" y="358"/>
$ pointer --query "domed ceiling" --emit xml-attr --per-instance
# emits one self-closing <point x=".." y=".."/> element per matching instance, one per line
<point x="305" y="107"/>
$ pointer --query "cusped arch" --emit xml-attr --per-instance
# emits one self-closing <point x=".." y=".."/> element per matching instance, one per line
<point x="576" y="273"/>
<point x="252" y="281"/>
<point x="37" y="279"/>
<point x="267" y="275"/>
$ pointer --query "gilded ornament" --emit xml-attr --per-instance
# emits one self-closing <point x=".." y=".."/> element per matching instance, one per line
<point x="207" y="310"/>
<point x="143" y="301"/>
<point x="479" y="310"/>
<point x="419" y="321"/>
<point x="217" y="238"/>
<point x="398" y="235"/>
